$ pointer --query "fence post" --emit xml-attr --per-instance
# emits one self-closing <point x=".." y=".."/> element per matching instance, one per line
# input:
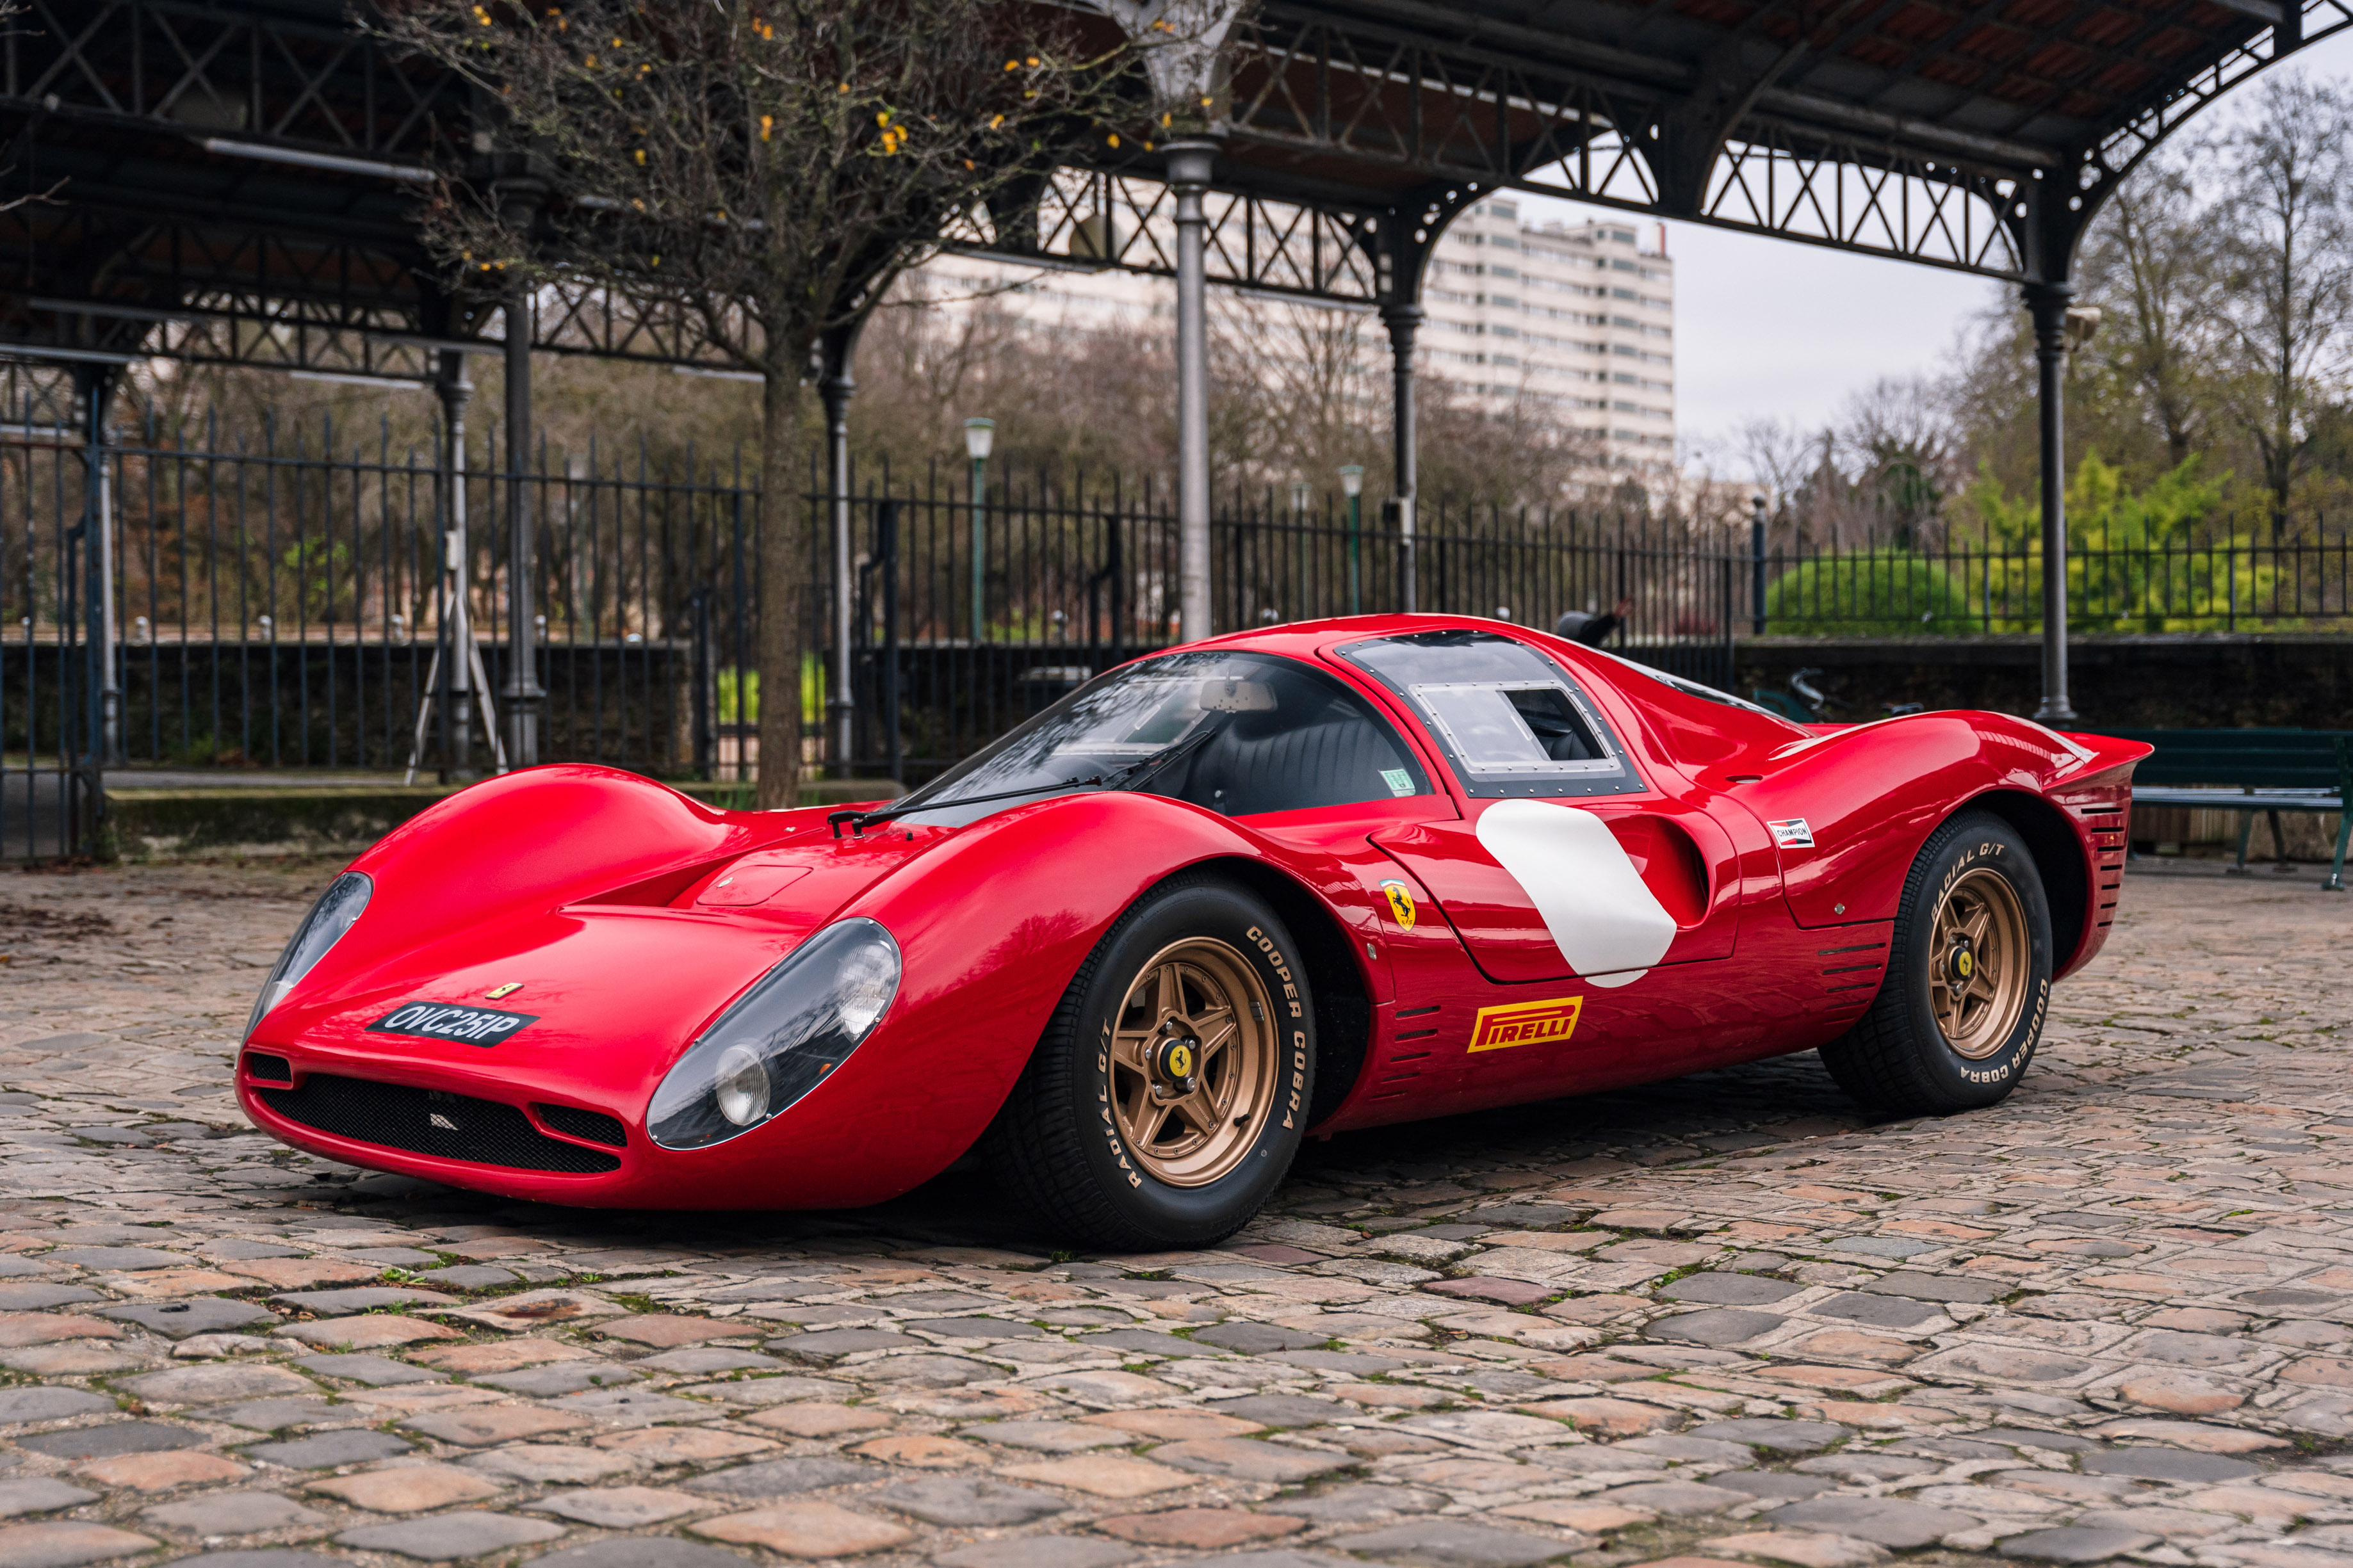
<point x="701" y="601"/>
<point x="96" y="383"/>
<point x="1757" y="564"/>
<point x="1730" y="656"/>
<point x="886" y="554"/>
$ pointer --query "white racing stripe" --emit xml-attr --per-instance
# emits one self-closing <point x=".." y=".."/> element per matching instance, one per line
<point x="1604" y="918"/>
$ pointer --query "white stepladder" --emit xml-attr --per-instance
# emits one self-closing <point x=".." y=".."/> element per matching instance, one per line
<point x="456" y="628"/>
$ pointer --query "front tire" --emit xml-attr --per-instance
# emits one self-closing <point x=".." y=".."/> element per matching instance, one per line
<point x="1968" y="979"/>
<point x="1169" y="1093"/>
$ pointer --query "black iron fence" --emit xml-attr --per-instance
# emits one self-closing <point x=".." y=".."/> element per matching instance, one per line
<point x="276" y="602"/>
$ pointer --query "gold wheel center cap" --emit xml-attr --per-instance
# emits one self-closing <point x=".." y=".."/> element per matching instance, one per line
<point x="1963" y="962"/>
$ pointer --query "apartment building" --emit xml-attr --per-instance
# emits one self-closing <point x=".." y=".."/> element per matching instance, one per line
<point x="1573" y="317"/>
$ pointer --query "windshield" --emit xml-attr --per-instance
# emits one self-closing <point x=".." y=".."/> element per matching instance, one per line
<point x="1244" y="733"/>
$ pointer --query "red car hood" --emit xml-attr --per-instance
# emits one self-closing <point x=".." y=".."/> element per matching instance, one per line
<point x="617" y="979"/>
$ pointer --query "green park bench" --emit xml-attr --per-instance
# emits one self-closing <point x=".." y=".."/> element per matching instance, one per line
<point x="2274" y="771"/>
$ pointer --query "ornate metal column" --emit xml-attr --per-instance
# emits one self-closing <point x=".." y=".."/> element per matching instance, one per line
<point x="2048" y="304"/>
<point x="457" y="683"/>
<point x="835" y="385"/>
<point x="523" y="694"/>
<point x="1190" y="166"/>
<point x="1403" y="318"/>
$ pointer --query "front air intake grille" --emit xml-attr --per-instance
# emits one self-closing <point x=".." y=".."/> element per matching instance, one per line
<point x="428" y="1121"/>
<point x="268" y="1069"/>
<point x="593" y="1125"/>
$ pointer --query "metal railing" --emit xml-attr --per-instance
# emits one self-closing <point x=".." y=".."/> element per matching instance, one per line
<point x="274" y="601"/>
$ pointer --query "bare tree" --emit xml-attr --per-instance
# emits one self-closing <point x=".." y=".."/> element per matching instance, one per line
<point x="1898" y="436"/>
<point x="2151" y="268"/>
<point x="2287" y="300"/>
<point x="771" y="164"/>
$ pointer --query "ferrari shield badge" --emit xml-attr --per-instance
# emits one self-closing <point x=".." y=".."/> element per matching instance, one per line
<point x="1401" y="903"/>
<point x="1793" y="834"/>
<point x="1526" y="1023"/>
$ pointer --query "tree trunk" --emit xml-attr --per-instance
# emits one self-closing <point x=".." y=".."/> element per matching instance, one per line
<point x="784" y="592"/>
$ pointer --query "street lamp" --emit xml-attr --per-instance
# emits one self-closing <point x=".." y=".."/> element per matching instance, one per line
<point x="1352" y="485"/>
<point x="1756" y="564"/>
<point x="979" y="436"/>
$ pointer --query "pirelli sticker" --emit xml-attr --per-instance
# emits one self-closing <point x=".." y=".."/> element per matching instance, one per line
<point x="1526" y="1023"/>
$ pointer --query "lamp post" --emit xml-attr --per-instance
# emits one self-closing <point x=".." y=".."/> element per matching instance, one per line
<point x="1352" y="485"/>
<point x="1756" y="564"/>
<point x="979" y="436"/>
<point x="1300" y="491"/>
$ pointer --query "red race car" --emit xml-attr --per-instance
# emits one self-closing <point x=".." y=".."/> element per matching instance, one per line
<point x="1293" y="881"/>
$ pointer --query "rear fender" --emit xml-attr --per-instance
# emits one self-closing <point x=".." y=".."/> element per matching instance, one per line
<point x="1835" y="788"/>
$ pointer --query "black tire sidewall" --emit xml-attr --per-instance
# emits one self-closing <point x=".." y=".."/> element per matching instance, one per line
<point x="1979" y="841"/>
<point x="1240" y="921"/>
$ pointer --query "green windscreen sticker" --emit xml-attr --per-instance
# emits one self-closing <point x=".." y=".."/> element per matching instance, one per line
<point x="1400" y="781"/>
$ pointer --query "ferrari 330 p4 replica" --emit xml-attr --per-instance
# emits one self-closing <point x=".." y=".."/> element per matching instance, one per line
<point x="1288" y="882"/>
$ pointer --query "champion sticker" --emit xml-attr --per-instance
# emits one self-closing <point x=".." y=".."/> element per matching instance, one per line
<point x="452" y="1021"/>
<point x="1793" y="834"/>
<point x="1526" y="1023"/>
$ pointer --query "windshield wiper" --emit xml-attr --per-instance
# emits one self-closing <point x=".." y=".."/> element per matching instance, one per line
<point x="1119" y="778"/>
<point x="1135" y="770"/>
<point x="859" y="820"/>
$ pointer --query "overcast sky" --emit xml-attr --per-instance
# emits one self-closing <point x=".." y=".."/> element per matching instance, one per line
<point x="1771" y="329"/>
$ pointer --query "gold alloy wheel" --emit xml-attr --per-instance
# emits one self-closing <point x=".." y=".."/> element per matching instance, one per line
<point x="1978" y="963"/>
<point x="1193" y="1064"/>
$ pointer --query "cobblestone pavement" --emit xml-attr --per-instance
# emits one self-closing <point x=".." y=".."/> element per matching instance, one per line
<point x="1717" y="1319"/>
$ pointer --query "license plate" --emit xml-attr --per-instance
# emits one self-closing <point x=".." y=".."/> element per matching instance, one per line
<point x="452" y="1021"/>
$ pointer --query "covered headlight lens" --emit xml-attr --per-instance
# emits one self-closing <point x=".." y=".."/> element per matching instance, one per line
<point x="798" y="1023"/>
<point x="324" y="926"/>
<point x="742" y="1091"/>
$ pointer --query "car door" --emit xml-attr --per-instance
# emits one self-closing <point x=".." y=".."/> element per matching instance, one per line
<point x="1571" y="859"/>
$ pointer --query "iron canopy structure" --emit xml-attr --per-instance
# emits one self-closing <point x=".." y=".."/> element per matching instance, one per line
<point x="236" y="181"/>
<point x="232" y="180"/>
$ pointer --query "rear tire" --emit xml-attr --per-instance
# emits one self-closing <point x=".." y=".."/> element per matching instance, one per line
<point x="1169" y="1093"/>
<point x="1968" y="979"/>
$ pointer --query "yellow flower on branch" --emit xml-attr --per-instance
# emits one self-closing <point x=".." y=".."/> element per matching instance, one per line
<point x="767" y="123"/>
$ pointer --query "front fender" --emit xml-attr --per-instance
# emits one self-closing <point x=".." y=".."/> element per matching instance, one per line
<point x="529" y="842"/>
<point x="993" y="926"/>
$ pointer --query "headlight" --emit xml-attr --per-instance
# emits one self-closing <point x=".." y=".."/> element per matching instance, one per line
<point x="799" y="1023"/>
<point x="324" y="926"/>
